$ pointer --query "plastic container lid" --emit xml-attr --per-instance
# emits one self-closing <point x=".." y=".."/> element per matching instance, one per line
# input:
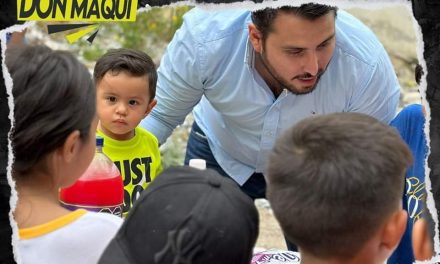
<point x="198" y="164"/>
<point x="99" y="141"/>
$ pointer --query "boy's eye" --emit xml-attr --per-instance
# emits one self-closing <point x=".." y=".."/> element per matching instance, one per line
<point x="132" y="102"/>
<point x="111" y="99"/>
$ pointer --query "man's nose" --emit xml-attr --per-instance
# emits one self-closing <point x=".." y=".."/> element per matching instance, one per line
<point x="310" y="63"/>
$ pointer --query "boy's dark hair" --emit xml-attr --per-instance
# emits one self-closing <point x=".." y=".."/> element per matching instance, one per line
<point x="53" y="95"/>
<point x="333" y="179"/>
<point x="134" y="62"/>
<point x="263" y="18"/>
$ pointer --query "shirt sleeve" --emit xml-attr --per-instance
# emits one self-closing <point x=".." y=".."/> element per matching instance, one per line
<point x="378" y="93"/>
<point x="179" y="86"/>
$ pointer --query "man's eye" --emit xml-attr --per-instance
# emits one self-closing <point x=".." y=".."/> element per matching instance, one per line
<point x="132" y="102"/>
<point x="294" y="52"/>
<point x="323" y="45"/>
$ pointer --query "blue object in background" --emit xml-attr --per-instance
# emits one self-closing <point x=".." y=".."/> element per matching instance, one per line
<point x="410" y="123"/>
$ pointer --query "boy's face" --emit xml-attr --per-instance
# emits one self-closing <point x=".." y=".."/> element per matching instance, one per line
<point x="123" y="101"/>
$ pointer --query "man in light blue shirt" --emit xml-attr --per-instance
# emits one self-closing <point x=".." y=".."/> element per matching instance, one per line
<point x="247" y="81"/>
<point x="248" y="76"/>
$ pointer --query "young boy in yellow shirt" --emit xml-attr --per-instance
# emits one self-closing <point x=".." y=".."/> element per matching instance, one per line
<point x="125" y="80"/>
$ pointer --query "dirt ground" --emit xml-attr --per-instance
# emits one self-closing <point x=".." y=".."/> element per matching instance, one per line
<point x="270" y="236"/>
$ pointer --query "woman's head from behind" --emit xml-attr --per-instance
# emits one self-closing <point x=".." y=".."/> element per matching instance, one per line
<point x="54" y="113"/>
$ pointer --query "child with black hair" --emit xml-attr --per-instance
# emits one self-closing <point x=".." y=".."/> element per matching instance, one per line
<point x="53" y="140"/>
<point x="126" y="86"/>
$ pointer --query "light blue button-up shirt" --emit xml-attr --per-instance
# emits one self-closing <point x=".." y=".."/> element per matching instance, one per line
<point x="209" y="68"/>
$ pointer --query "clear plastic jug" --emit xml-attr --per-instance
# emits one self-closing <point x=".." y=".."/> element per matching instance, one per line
<point x="99" y="189"/>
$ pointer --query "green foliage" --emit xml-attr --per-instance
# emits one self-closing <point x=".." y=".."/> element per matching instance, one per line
<point x="173" y="151"/>
<point x="150" y="33"/>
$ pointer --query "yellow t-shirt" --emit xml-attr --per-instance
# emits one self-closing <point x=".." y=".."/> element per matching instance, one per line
<point x="138" y="160"/>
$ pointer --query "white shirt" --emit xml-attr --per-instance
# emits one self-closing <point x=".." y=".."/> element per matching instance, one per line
<point x="77" y="238"/>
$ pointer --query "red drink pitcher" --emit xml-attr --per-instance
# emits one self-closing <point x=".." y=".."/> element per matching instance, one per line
<point x="99" y="189"/>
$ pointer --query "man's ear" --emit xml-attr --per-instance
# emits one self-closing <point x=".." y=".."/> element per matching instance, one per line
<point x="393" y="230"/>
<point x="256" y="38"/>
<point x="71" y="146"/>
<point x="150" y="107"/>
<point x="421" y="240"/>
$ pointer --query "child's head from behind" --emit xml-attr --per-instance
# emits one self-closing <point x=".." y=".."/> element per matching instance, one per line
<point x="54" y="113"/>
<point x="126" y="87"/>
<point x="335" y="183"/>
<point x="187" y="215"/>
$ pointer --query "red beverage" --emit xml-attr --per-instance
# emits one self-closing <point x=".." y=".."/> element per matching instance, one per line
<point x="99" y="189"/>
<point x="99" y="192"/>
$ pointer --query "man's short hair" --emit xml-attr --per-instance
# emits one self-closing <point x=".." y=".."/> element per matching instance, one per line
<point x="263" y="18"/>
<point x="333" y="180"/>
<point x="131" y="61"/>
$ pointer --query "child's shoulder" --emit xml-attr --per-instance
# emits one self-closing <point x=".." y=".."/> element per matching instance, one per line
<point x="102" y="219"/>
<point x="86" y="233"/>
<point x="143" y="133"/>
<point x="94" y="224"/>
<point x="412" y="110"/>
<point x="97" y="224"/>
<point x="80" y="222"/>
<point x="409" y="114"/>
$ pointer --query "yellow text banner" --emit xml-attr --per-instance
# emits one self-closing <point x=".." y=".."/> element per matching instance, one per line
<point x="77" y="10"/>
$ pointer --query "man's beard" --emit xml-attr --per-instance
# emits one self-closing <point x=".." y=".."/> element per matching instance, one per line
<point x="285" y="84"/>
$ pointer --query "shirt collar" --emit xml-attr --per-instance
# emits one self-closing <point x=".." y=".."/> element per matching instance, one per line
<point x="249" y="55"/>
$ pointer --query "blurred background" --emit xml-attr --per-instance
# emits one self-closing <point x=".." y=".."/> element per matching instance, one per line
<point x="154" y="29"/>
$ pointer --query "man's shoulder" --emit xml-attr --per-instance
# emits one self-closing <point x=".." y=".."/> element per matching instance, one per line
<point x="356" y="40"/>
<point x="210" y="25"/>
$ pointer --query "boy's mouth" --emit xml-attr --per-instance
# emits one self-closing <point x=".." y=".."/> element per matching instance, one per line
<point x="120" y="121"/>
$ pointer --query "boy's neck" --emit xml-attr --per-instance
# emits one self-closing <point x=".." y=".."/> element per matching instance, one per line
<point x="37" y="201"/>
<point x="117" y="137"/>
